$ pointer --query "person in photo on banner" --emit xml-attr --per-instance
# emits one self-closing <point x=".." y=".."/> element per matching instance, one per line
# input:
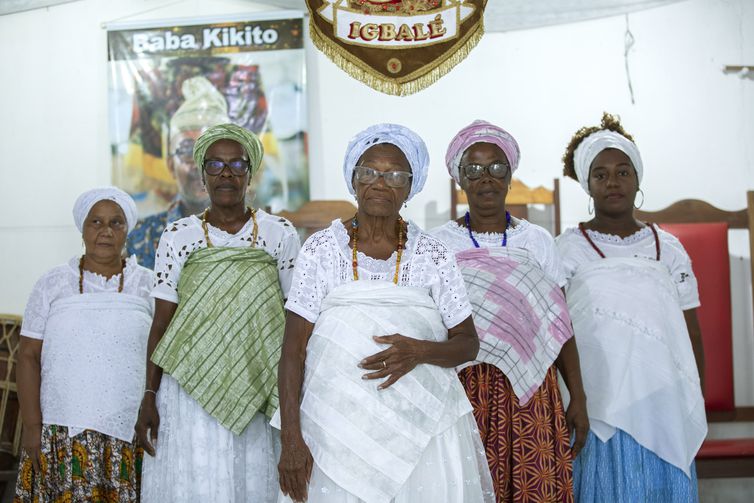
<point x="81" y="364"/>
<point x="377" y="319"/>
<point x="204" y="106"/>
<point x="632" y="296"/>
<point x="220" y="283"/>
<point x="514" y="276"/>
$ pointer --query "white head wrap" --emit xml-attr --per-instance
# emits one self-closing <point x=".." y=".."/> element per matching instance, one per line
<point x="85" y="201"/>
<point x="592" y="145"/>
<point x="407" y="141"/>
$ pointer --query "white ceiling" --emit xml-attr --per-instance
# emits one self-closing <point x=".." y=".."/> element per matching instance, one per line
<point x="500" y="15"/>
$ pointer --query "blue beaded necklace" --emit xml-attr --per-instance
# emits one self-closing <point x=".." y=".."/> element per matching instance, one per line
<point x="467" y="219"/>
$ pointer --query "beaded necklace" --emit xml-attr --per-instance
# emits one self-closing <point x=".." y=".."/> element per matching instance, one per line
<point x="602" y="255"/>
<point x="81" y="274"/>
<point x="355" y="238"/>
<point x="254" y="232"/>
<point x="467" y="219"/>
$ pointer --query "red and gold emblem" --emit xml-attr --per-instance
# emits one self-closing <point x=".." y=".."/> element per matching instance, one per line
<point x="396" y="46"/>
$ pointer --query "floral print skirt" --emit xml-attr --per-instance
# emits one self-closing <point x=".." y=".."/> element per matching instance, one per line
<point x="90" y="466"/>
<point x="527" y="446"/>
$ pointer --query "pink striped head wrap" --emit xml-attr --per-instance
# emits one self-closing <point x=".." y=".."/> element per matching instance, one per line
<point x="480" y="132"/>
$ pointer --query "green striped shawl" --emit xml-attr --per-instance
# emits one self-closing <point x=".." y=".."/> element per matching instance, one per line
<point x="223" y="344"/>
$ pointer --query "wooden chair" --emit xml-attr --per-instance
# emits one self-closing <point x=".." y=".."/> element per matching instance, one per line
<point x="10" y="417"/>
<point x="316" y="215"/>
<point x="520" y="196"/>
<point x="703" y="231"/>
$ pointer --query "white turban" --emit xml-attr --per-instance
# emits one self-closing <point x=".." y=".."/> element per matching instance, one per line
<point x="203" y="106"/>
<point x="85" y="201"/>
<point x="592" y="145"/>
<point x="407" y="141"/>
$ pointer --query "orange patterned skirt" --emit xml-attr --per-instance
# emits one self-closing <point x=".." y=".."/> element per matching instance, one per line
<point x="527" y="446"/>
<point x="90" y="466"/>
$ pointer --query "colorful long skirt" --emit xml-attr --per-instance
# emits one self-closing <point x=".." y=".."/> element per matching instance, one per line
<point x="622" y="470"/>
<point x="527" y="446"/>
<point x="90" y="466"/>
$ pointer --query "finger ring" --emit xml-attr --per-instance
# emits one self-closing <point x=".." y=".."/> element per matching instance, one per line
<point x="384" y="365"/>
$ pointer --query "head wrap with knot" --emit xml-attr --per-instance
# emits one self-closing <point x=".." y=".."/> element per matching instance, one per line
<point x="480" y="132"/>
<point x="591" y="146"/>
<point x="88" y="199"/>
<point x="407" y="141"/>
<point x="244" y="137"/>
<point x="203" y="106"/>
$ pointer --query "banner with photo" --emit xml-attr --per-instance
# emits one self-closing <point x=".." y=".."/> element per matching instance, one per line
<point x="170" y="81"/>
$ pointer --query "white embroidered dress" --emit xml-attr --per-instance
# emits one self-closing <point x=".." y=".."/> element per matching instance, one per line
<point x="197" y="459"/>
<point x="94" y="347"/>
<point x="637" y="362"/>
<point x="357" y="459"/>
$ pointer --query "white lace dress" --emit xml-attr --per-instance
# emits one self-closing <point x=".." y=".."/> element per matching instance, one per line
<point x="575" y="251"/>
<point x="453" y="467"/>
<point x="197" y="459"/>
<point x="69" y="357"/>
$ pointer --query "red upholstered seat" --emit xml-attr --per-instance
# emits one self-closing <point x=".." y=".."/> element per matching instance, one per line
<point x="726" y="448"/>
<point x="707" y="245"/>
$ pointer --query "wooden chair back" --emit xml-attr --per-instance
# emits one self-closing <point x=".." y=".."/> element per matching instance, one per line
<point x="316" y="215"/>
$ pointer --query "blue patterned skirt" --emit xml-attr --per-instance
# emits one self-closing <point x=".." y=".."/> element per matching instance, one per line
<point x="623" y="471"/>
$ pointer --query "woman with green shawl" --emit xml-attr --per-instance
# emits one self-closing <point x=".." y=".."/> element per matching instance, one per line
<point x="220" y="281"/>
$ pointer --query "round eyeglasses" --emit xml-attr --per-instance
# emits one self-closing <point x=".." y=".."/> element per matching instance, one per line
<point x="476" y="171"/>
<point x="368" y="176"/>
<point x="237" y="168"/>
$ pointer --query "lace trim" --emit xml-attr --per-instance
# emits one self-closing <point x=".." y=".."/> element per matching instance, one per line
<point x="634" y="238"/>
<point x="219" y="232"/>
<point x="519" y="225"/>
<point x="372" y="264"/>
<point x="101" y="281"/>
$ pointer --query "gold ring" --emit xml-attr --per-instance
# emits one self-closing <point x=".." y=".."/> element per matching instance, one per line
<point x="384" y="365"/>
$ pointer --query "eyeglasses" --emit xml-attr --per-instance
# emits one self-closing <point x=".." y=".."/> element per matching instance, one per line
<point x="476" y="171"/>
<point x="368" y="176"/>
<point x="237" y="168"/>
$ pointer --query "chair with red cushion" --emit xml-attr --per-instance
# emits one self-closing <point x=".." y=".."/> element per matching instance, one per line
<point x="703" y="231"/>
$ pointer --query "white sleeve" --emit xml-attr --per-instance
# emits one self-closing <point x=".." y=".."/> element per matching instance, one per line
<point x="449" y="293"/>
<point x="36" y="312"/>
<point x="549" y="258"/>
<point x="308" y="286"/>
<point x="286" y="258"/>
<point x="682" y="273"/>
<point x="167" y="270"/>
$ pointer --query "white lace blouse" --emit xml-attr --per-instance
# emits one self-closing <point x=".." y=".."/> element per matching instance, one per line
<point x="63" y="281"/>
<point x="325" y="262"/>
<point x="522" y="234"/>
<point x="275" y="235"/>
<point x="576" y="250"/>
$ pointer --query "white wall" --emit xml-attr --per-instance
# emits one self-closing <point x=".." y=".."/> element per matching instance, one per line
<point x="693" y="124"/>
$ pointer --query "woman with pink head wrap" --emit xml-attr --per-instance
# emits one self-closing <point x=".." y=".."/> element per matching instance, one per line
<point x="513" y="276"/>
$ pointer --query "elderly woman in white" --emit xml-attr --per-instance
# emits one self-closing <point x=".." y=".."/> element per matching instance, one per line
<point x="81" y="363"/>
<point x="378" y="317"/>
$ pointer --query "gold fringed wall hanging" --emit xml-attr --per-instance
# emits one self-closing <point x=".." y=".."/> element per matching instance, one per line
<point x="398" y="47"/>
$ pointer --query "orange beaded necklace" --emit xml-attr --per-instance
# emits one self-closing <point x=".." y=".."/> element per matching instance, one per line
<point x="355" y="238"/>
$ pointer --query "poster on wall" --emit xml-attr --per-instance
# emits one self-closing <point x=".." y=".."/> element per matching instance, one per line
<point x="397" y="47"/>
<point x="170" y="81"/>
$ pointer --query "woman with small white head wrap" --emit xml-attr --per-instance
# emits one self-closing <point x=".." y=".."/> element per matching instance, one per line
<point x="371" y="408"/>
<point x="514" y="276"/>
<point x="220" y="281"/>
<point x="81" y="363"/>
<point x="632" y="296"/>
